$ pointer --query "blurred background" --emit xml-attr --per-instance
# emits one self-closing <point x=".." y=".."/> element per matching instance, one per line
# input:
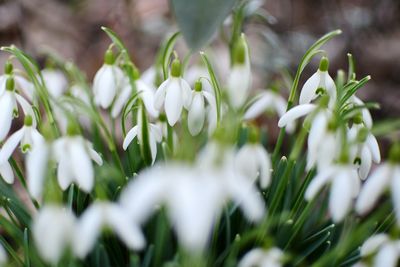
<point x="71" y="28"/>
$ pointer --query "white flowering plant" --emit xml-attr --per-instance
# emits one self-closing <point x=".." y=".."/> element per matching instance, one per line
<point x="173" y="167"/>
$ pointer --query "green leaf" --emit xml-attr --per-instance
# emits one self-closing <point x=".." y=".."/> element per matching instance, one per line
<point x="167" y="51"/>
<point x="198" y="20"/>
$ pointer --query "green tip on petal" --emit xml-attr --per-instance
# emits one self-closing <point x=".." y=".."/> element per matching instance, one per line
<point x="109" y="58"/>
<point x="198" y="86"/>
<point x="8" y="68"/>
<point x="176" y="68"/>
<point x="28" y="120"/>
<point x="324" y="64"/>
<point x="10" y="84"/>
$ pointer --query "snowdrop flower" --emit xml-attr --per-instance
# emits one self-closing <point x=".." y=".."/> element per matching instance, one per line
<point x="268" y="100"/>
<point x="74" y="155"/>
<point x="253" y="161"/>
<point x="174" y="93"/>
<point x="296" y="112"/>
<point x="8" y="103"/>
<point x="21" y="83"/>
<point x="152" y="131"/>
<point x="144" y="91"/>
<point x="366" y="115"/>
<point x="95" y="218"/>
<point x="52" y="229"/>
<point x="3" y="256"/>
<point x="27" y="136"/>
<point x="55" y="81"/>
<point x="36" y="165"/>
<point x="345" y="186"/>
<point x="197" y="109"/>
<point x="262" y="258"/>
<point x="194" y="197"/>
<point x="387" y="251"/>
<point x="107" y="81"/>
<point x="384" y="177"/>
<point x="239" y="80"/>
<point x="364" y="148"/>
<point x="319" y="83"/>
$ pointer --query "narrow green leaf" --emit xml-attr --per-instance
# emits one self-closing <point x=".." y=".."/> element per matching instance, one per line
<point x="26" y="248"/>
<point x="166" y="54"/>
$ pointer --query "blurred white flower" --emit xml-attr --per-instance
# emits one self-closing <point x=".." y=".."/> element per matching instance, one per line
<point x="345" y="186"/>
<point x="55" y="81"/>
<point x="268" y="100"/>
<point x="239" y="80"/>
<point x="387" y="251"/>
<point x="386" y="176"/>
<point x="105" y="214"/>
<point x="107" y="81"/>
<point x="366" y="115"/>
<point x="272" y="257"/>
<point x="252" y="161"/>
<point x="193" y="195"/>
<point x="153" y="133"/>
<point x="3" y="256"/>
<point x="8" y="104"/>
<point x="21" y="83"/>
<point x="27" y="137"/>
<point x="174" y="93"/>
<point x="296" y="112"/>
<point x="197" y="109"/>
<point x="52" y="230"/>
<point x="74" y="156"/>
<point x="6" y="172"/>
<point x="318" y="84"/>
<point x="36" y="165"/>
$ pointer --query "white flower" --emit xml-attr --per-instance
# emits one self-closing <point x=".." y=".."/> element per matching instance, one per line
<point x="193" y="195"/>
<point x="387" y="250"/>
<point x="36" y="165"/>
<point x="366" y="115"/>
<point x="174" y="93"/>
<point x="345" y="187"/>
<point x="6" y="172"/>
<point x="74" y="156"/>
<point x="52" y="229"/>
<point x="95" y="218"/>
<point x="319" y="83"/>
<point x="253" y="161"/>
<point x="153" y="133"/>
<point x="27" y="137"/>
<point x="197" y="109"/>
<point x="262" y="258"/>
<point x="364" y="151"/>
<point x="3" y="256"/>
<point x="55" y="81"/>
<point x="296" y="112"/>
<point x="8" y="104"/>
<point x="107" y="82"/>
<point x="384" y="177"/>
<point x="145" y="93"/>
<point x="268" y="100"/>
<point x="21" y="83"/>
<point x="239" y="80"/>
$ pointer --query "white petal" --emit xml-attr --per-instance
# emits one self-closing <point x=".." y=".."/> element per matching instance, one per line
<point x="159" y="97"/>
<point x="25" y="86"/>
<point x="372" y="244"/>
<point x="238" y="85"/>
<point x="153" y="148"/>
<point x="129" y="137"/>
<point x="387" y="256"/>
<point x="147" y="95"/>
<point x="106" y="85"/>
<point x="7" y="104"/>
<point x="26" y="108"/>
<point x="395" y="187"/>
<point x="264" y="162"/>
<point x="121" y="100"/>
<point x="173" y="101"/>
<point x="341" y="196"/>
<point x="55" y="81"/>
<point x="3" y="256"/>
<point x="10" y="145"/>
<point x="64" y="172"/>
<point x="186" y="93"/>
<point x="295" y="113"/>
<point x="366" y="162"/>
<point x="93" y="154"/>
<point x="7" y="173"/>
<point x="127" y="231"/>
<point x="374" y="147"/>
<point x="308" y="92"/>
<point x="36" y="168"/>
<point x="259" y="106"/>
<point x="252" y="258"/>
<point x="318" y="182"/>
<point x="330" y="88"/>
<point x="245" y="162"/>
<point x="196" y="114"/>
<point x="88" y="229"/>
<point x="156" y="131"/>
<point x="81" y="165"/>
<point x="373" y="189"/>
